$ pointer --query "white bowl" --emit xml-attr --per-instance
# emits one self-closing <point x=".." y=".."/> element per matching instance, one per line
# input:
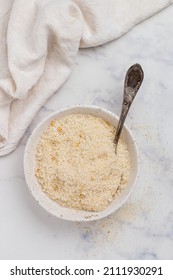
<point x="53" y="207"/>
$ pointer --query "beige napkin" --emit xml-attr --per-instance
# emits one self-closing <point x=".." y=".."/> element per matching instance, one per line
<point x="39" y="42"/>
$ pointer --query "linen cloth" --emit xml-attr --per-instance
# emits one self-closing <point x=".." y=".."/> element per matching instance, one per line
<point x="39" y="42"/>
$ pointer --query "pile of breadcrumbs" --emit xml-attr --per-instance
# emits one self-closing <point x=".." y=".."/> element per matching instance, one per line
<point x="76" y="164"/>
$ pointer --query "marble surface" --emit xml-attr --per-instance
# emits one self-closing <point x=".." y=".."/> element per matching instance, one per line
<point x="143" y="227"/>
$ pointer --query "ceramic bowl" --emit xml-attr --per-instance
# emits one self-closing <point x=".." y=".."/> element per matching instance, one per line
<point x="53" y="207"/>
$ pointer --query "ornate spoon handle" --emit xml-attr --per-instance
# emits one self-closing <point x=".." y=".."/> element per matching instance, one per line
<point x="132" y="83"/>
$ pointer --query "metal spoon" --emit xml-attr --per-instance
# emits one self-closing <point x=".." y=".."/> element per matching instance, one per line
<point x="132" y="83"/>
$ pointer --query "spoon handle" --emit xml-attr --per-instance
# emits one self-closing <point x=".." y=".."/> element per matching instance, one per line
<point x="133" y="81"/>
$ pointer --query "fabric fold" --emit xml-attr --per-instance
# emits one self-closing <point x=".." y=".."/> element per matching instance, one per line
<point x="5" y="103"/>
<point x="39" y="42"/>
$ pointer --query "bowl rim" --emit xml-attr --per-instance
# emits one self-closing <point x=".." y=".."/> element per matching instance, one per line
<point x="94" y="215"/>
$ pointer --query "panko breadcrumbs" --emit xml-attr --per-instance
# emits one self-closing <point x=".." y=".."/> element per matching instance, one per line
<point x="76" y="164"/>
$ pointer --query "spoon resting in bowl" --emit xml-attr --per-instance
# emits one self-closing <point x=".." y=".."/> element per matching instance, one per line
<point x="132" y="83"/>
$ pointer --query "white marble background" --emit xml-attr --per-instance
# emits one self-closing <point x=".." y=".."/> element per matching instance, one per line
<point x="143" y="227"/>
